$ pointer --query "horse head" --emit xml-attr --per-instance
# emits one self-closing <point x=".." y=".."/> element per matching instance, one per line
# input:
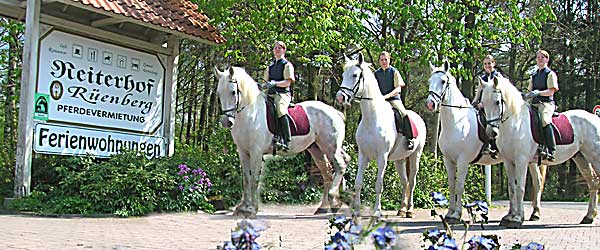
<point x="353" y="79"/>
<point x="439" y="81"/>
<point x="493" y="104"/>
<point x="229" y="95"/>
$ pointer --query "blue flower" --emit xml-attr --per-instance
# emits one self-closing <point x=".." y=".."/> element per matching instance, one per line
<point x="384" y="237"/>
<point x="481" y="206"/>
<point x="481" y="242"/>
<point x="439" y="198"/>
<point x="433" y="234"/>
<point x="449" y="244"/>
<point x="227" y="245"/>
<point x="533" y="246"/>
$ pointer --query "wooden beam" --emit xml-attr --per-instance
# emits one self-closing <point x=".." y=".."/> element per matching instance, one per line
<point x="26" y="103"/>
<point x="170" y="94"/>
<point x="11" y="9"/>
<point x="99" y="34"/>
<point x="136" y="21"/>
<point x="106" y="21"/>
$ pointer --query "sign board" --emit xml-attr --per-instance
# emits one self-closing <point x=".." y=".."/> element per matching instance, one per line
<point x="597" y="110"/>
<point x="92" y="83"/>
<point x="68" y="140"/>
<point x="40" y="107"/>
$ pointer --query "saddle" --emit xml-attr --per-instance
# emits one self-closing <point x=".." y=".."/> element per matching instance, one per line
<point x="400" y="127"/>
<point x="563" y="130"/>
<point x="299" y="124"/>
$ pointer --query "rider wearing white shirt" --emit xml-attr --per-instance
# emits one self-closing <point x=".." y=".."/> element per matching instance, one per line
<point x="542" y="86"/>
<point x="391" y="83"/>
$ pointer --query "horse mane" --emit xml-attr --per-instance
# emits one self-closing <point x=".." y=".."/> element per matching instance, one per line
<point x="512" y="96"/>
<point x="247" y="86"/>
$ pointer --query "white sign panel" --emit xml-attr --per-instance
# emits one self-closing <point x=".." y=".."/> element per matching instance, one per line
<point x="100" y="84"/>
<point x="66" y="140"/>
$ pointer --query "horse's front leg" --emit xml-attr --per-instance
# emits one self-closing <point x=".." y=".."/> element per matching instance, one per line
<point x="452" y="216"/>
<point x="363" y="162"/>
<point x="255" y="172"/>
<point x="381" y="165"/>
<point x="510" y="173"/>
<point x="538" y="174"/>
<point x="244" y="208"/>
<point x="518" y="181"/>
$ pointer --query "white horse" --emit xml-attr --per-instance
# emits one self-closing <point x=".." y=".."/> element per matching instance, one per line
<point x="459" y="140"/>
<point x="244" y="111"/>
<point x="508" y="120"/>
<point x="377" y="138"/>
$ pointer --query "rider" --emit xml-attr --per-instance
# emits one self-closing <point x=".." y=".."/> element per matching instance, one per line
<point x="279" y="77"/>
<point x="391" y="83"/>
<point x="542" y="86"/>
<point x="489" y="66"/>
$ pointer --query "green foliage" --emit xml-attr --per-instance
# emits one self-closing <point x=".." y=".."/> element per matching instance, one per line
<point x="287" y="180"/>
<point x="128" y="184"/>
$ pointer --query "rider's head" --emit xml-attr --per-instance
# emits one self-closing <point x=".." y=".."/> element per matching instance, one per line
<point x="385" y="59"/>
<point x="489" y="63"/>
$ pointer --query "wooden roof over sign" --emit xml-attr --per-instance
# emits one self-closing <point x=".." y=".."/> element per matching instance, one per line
<point x="177" y="15"/>
<point x="148" y="20"/>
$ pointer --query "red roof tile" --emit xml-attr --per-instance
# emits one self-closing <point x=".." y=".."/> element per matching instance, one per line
<point x="176" y="15"/>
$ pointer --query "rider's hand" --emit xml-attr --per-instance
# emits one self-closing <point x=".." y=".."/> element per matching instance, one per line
<point x="268" y="85"/>
<point x="532" y="94"/>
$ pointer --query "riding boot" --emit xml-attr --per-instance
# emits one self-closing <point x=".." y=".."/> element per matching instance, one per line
<point x="284" y="124"/>
<point x="550" y="142"/>
<point x="407" y="129"/>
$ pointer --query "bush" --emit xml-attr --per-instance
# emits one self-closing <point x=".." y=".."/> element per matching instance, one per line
<point x="128" y="184"/>
<point x="287" y="180"/>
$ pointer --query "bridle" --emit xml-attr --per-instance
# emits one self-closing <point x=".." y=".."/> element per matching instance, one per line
<point x="356" y="87"/>
<point x="500" y="119"/>
<point x="231" y="112"/>
<point x="440" y="98"/>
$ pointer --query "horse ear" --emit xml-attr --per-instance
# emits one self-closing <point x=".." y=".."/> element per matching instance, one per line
<point x="346" y="58"/>
<point x="360" y="58"/>
<point x="480" y="80"/>
<point x="230" y="71"/>
<point x="216" y="71"/>
<point x="431" y="66"/>
<point x="496" y="82"/>
<point x="446" y="66"/>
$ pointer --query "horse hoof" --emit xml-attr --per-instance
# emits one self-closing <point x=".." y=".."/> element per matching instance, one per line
<point x="586" y="220"/>
<point x="513" y="224"/>
<point x="401" y="213"/>
<point x="410" y="215"/>
<point x="503" y="223"/>
<point x="534" y="217"/>
<point x="335" y="209"/>
<point x="452" y="220"/>
<point x="321" y="211"/>
<point x="245" y="213"/>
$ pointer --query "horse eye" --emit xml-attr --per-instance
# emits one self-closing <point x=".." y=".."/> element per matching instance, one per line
<point x="232" y="92"/>
<point x="355" y="75"/>
<point x="497" y="102"/>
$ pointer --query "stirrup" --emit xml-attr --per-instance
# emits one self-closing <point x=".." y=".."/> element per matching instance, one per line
<point x="282" y="146"/>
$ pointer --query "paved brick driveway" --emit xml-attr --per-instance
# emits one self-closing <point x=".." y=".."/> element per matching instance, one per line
<point x="288" y="227"/>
